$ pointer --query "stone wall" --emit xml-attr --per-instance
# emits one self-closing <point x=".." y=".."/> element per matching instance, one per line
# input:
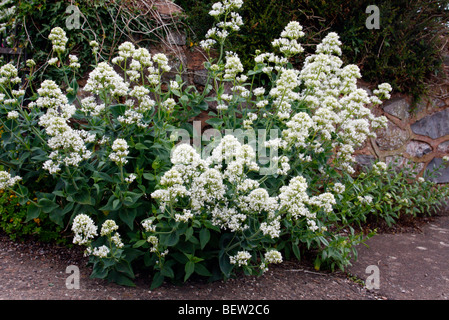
<point x="417" y="135"/>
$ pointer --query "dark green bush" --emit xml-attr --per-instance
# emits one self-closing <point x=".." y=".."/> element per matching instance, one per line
<point x="403" y="52"/>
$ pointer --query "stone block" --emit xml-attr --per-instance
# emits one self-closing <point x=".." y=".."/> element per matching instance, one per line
<point x="433" y="126"/>
<point x="443" y="147"/>
<point x="418" y="149"/>
<point x="176" y="38"/>
<point x="437" y="171"/>
<point x="391" y="138"/>
<point x="200" y="77"/>
<point x="398" y="107"/>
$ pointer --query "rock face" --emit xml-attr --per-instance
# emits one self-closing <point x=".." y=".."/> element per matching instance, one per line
<point x="444" y="147"/>
<point x="398" y="107"/>
<point x="433" y="126"/>
<point x="418" y="149"/>
<point x="442" y="176"/>
<point x="391" y="138"/>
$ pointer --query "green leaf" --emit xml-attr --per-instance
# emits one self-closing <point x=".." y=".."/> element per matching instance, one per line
<point x="110" y="205"/>
<point x="170" y="239"/>
<point x="125" y="268"/>
<point x="189" y="269"/>
<point x="204" y="237"/>
<point x="128" y="217"/>
<point x="158" y="280"/>
<point x="47" y="205"/>
<point x="141" y="146"/>
<point x="202" y="270"/>
<point x="57" y="217"/>
<point x="167" y="271"/>
<point x="189" y="233"/>
<point x="225" y="263"/>
<point x="215" y="122"/>
<point x="295" y="249"/>
<point x="33" y="212"/>
<point x="139" y="243"/>
<point x="83" y="197"/>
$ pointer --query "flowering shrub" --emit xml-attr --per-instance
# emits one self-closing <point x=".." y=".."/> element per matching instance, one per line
<point x="112" y="159"/>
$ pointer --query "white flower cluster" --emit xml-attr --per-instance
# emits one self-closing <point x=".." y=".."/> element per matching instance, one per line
<point x="84" y="228"/>
<point x="232" y="22"/>
<point x="74" y="64"/>
<point x="9" y="75"/>
<point x="68" y="144"/>
<point x="295" y="200"/>
<point x="379" y="167"/>
<point x="58" y="39"/>
<point x="271" y="256"/>
<point x="85" y="231"/>
<point x="241" y="258"/>
<point x="6" y="181"/>
<point x="90" y="107"/>
<point x="107" y="228"/>
<point x="120" y="151"/>
<point x="12" y="115"/>
<point x="233" y="66"/>
<point x="288" y="43"/>
<point x="104" y="79"/>
<point x="204" y="184"/>
<point x="338" y="115"/>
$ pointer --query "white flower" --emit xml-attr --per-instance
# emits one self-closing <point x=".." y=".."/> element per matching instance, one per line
<point x="339" y="187"/>
<point x="53" y="61"/>
<point x="273" y="256"/>
<point x="241" y="258"/>
<point x="117" y="240"/>
<point x="169" y="104"/>
<point x="120" y="151"/>
<point x="30" y="63"/>
<point x="84" y="228"/>
<point x="104" y="79"/>
<point x="58" y="39"/>
<point x="131" y="178"/>
<point x="292" y="31"/>
<point x="108" y="227"/>
<point x="6" y="181"/>
<point x="148" y="225"/>
<point x="233" y="66"/>
<point x="185" y="217"/>
<point x="101" y="252"/>
<point x="259" y="91"/>
<point x="13" y="115"/>
<point x="74" y="62"/>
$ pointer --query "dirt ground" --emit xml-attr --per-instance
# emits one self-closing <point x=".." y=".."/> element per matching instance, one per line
<point x="37" y="271"/>
<point x="30" y="271"/>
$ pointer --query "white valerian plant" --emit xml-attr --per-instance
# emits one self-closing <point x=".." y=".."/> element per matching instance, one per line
<point x="109" y="161"/>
